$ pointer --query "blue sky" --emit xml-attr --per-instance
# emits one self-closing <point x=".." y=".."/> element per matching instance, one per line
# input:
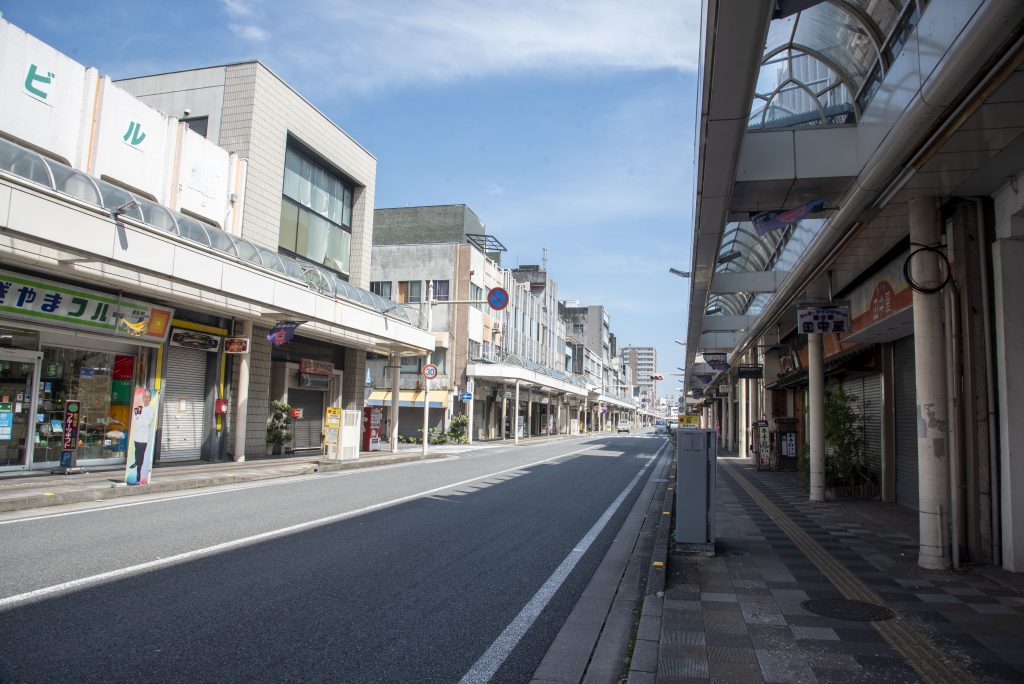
<point x="565" y="125"/>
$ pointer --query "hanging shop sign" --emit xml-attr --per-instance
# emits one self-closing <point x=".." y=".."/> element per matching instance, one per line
<point x="44" y="301"/>
<point x="823" y="319"/>
<point x="193" y="339"/>
<point x="316" y="367"/>
<point x="749" y="371"/>
<point x="236" y="345"/>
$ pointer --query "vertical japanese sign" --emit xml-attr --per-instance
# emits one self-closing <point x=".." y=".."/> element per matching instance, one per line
<point x="39" y="300"/>
<point x="69" y="445"/>
<point x="142" y="436"/>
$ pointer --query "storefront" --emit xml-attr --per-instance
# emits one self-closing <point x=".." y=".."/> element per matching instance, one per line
<point x="192" y="370"/>
<point x="61" y="343"/>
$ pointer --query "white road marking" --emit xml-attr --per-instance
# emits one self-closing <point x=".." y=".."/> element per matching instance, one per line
<point x="44" y="592"/>
<point x="494" y="657"/>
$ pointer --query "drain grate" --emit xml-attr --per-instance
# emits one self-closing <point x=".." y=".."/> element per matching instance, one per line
<point x="845" y="609"/>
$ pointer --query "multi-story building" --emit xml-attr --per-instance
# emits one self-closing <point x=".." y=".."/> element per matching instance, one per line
<point x="643" y="362"/>
<point x="136" y="246"/>
<point x="589" y="327"/>
<point x="489" y="355"/>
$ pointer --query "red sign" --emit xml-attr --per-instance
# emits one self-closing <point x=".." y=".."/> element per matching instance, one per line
<point x="316" y="367"/>
<point x="71" y="409"/>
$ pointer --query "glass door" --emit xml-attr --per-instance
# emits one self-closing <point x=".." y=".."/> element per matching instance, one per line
<point x="19" y="376"/>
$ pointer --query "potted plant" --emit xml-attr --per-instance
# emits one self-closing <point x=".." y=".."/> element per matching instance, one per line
<point x="457" y="429"/>
<point x="846" y="470"/>
<point x="277" y="426"/>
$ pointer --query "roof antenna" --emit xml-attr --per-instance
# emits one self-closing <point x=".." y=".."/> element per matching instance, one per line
<point x="544" y="260"/>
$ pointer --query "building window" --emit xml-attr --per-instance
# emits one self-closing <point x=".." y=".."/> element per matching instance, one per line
<point x="316" y="213"/>
<point x="474" y="349"/>
<point x="409" y="291"/>
<point x="476" y="294"/>
<point x="410" y="364"/>
<point x="198" y="124"/>
<point x="441" y="290"/>
<point x="382" y="288"/>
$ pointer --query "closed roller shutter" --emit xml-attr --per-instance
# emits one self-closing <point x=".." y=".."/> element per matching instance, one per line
<point x="184" y="402"/>
<point x="905" y="402"/>
<point x="306" y="432"/>
<point x="868" y="391"/>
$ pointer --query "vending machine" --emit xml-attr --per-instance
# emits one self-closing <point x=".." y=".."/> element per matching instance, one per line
<point x="372" y="428"/>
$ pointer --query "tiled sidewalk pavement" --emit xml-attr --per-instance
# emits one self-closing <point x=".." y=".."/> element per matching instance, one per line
<point x="738" y="616"/>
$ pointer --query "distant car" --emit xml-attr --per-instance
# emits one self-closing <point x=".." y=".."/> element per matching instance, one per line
<point x="660" y="427"/>
<point x="623" y="426"/>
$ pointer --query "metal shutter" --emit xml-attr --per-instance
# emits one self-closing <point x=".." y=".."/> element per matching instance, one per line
<point x="868" y="390"/>
<point x="184" y="401"/>
<point x="905" y="401"/>
<point x="306" y="432"/>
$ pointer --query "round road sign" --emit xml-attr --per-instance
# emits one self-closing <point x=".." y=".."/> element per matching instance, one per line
<point x="497" y="298"/>
<point x="430" y="371"/>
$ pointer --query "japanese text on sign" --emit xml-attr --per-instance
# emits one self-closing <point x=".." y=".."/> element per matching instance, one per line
<point x="829" y="319"/>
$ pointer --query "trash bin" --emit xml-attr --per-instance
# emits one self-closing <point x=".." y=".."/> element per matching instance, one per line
<point x="785" y="452"/>
<point x="696" y="473"/>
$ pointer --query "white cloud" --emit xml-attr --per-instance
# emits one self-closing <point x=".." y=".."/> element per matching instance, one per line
<point x="248" y="31"/>
<point x="238" y="8"/>
<point x="400" y="42"/>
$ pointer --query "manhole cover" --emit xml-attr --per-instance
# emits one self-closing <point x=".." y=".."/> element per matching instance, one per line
<point x="844" y="609"/>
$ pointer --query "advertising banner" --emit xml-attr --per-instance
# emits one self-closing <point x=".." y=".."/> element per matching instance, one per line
<point x="44" y="301"/>
<point x="142" y="436"/>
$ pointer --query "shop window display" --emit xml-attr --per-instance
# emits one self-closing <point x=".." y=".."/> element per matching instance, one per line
<point x="102" y="382"/>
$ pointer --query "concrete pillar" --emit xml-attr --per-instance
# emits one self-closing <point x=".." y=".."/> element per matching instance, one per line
<point x="1008" y="278"/>
<point x="504" y="413"/>
<point x="932" y="407"/>
<point x="528" y="431"/>
<point x="242" y="396"/>
<point x="816" y="382"/>
<point x="515" y="417"/>
<point x="726" y="413"/>
<point x="741" y="417"/>
<point x="396" y="375"/>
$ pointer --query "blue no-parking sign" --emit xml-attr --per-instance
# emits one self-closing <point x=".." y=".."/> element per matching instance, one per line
<point x="497" y="298"/>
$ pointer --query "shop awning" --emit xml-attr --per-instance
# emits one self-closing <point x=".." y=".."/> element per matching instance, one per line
<point x="408" y="398"/>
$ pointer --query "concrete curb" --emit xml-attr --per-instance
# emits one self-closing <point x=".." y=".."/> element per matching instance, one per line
<point x="643" y="664"/>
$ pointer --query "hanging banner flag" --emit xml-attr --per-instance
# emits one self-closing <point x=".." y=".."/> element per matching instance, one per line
<point x="283" y="332"/>
<point x="703" y="377"/>
<point x="767" y="221"/>
<point x="716" y="361"/>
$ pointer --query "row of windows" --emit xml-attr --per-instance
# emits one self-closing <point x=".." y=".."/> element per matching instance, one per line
<point x="409" y="291"/>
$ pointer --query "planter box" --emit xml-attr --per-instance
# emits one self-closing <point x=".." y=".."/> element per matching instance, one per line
<point x="857" y="491"/>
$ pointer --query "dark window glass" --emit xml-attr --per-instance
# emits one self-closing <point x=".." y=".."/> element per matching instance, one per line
<point x="199" y="124"/>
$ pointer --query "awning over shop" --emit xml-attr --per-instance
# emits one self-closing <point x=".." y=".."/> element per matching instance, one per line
<point x="408" y="398"/>
<point x="509" y="373"/>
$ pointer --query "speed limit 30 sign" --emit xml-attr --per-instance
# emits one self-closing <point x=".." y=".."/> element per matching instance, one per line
<point x="430" y="371"/>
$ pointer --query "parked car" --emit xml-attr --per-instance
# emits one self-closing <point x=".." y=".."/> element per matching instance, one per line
<point x="623" y="426"/>
<point x="660" y="427"/>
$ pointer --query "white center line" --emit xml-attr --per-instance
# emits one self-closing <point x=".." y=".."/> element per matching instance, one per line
<point x="44" y="592"/>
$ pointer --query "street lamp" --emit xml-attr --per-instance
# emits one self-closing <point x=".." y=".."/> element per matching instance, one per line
<point x="679" y="342"/>
<point x="681" y="274"/>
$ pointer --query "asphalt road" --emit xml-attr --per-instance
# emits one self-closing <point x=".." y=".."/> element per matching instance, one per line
<point x="428" y="572"/>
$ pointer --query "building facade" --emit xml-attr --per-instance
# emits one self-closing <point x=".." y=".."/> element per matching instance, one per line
<point x="138" y="247"/>
<point x="643" y="365"/>
<point x="892" y="280"/>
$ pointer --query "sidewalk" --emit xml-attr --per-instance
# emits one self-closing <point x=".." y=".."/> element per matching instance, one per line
<point x="801" y="592"/>
<point x="38" y="489"/>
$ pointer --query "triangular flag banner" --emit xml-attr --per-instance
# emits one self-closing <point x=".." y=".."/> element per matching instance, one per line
<point x="767" y="221"/>
<point x="283" y="332"/>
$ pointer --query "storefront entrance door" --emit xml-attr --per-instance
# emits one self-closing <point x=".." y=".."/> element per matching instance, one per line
<point x="19" y="375"/>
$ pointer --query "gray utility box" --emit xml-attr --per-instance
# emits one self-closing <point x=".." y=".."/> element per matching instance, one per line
<point x="696" y="473"/>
